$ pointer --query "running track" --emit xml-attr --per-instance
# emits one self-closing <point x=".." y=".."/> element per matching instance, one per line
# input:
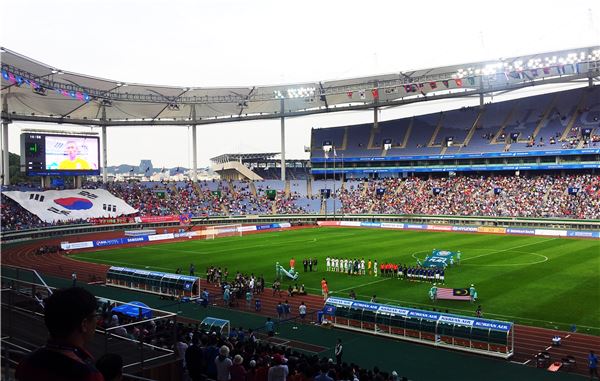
<point x="528" y="340"/>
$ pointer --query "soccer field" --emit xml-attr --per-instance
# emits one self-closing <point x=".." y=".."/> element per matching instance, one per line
<point x="541" y="281"/>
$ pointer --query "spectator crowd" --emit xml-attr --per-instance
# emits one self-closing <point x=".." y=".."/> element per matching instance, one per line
<point x="537" y="196"/>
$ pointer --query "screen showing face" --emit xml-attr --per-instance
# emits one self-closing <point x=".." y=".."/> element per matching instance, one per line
<point x="71" y="153"/>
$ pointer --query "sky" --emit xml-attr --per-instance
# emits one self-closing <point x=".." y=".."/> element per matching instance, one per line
<point x="262" y="42"/>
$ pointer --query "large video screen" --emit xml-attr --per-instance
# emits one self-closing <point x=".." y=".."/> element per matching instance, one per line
<point x="47" y="155"/>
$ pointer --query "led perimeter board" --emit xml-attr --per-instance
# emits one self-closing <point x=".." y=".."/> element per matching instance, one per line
<point x="65" y="155"/>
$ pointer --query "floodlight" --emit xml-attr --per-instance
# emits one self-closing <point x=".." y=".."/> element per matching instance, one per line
<point x="39" y="90"/>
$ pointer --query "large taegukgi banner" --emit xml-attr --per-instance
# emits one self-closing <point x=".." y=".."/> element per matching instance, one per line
<point x="71" y="204"/>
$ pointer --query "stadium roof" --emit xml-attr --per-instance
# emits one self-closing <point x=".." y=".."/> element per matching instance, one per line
<point x="227" y="157"/>
<point x="34" y="91"/>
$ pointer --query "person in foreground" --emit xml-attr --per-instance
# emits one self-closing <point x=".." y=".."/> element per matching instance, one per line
<point x="70" y="316"/>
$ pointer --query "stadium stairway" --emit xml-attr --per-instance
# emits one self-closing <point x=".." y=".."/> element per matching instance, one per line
<point x="434" y="135"/>
<point x="197" y="190"/>
<point x="469" y="136"/>
<point x="225" y="210"/>
<point x="274" y="207"/>
<point x="503" y="126"/>
<point x="365" y="188"/>
<point x="574" y="117"/>
<point x="287" y="188"/>
<point x="544" y="119"/>
<point x="408" y="132"/>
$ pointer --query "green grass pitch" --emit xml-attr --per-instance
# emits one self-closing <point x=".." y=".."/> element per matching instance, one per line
<point x="542" y="281"/>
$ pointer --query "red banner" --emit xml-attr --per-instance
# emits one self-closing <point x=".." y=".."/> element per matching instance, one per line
<point x="110" y="221"/>
<point x="156" y="219"/>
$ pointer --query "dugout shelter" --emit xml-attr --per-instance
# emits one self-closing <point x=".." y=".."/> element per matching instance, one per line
<point x="166" y="284"/>
<point x="211" y="324"/>
<point x="482" y="336"/>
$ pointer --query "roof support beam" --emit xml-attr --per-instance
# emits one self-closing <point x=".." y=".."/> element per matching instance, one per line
<point x="282" y="103"/>
<point x="5" y="154"/>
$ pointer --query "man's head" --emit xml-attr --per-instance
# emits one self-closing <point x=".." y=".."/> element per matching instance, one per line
<point x="71" y="149"/>
<point x="70" y="314"/>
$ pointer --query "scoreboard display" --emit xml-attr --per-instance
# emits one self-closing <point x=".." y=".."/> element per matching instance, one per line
<point x="48" y="154"/>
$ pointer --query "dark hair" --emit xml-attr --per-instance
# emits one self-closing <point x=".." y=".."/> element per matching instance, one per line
<point x="110" y="365"/>
<point x="65" y="309"/>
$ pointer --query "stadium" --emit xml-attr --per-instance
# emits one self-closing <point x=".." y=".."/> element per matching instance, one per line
<point x="465" y="235"/>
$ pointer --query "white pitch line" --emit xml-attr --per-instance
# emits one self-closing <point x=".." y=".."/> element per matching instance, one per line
<point x="137" y="265"/>
<point x="207" y="251"/>
<point x="509" y="249"/>
<point x="363" y="285"/>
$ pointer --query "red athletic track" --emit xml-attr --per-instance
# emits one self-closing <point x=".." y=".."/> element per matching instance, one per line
<point x="528" y="340"/>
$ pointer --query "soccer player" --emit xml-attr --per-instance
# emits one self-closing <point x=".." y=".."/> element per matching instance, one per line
<point x="292" y="263"/>
<point x="328" y="263"/>
<point x="369" y="267"/>
<point x="73" y="161"/>
<point x="362" y="266"/>
<point x="375" y="266"/>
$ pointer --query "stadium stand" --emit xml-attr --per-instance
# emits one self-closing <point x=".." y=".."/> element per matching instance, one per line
<point x="543" y="122"/>
<point x="535" y="195"/>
